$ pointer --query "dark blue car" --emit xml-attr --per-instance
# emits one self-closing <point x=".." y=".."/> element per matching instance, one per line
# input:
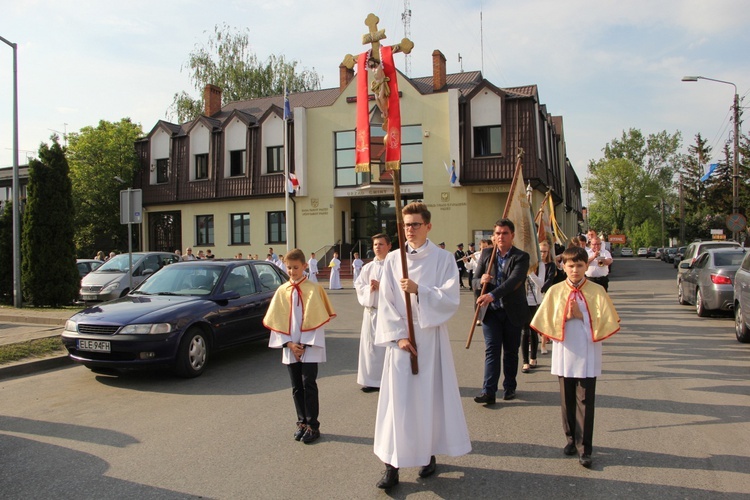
<point x="178" y="317"/>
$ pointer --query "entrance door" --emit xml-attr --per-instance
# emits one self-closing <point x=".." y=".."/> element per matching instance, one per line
<point x="164" y="231"/>
<point x="375" y="215"/>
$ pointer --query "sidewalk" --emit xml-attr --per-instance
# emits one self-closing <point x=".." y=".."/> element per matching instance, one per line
<point x="22" y="325"/>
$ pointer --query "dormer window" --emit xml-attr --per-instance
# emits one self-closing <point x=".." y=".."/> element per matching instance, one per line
<point x="487" y="141"/>
<point x="237" y="163"/>
<point x="275" y="159"/>
<point x="201" y="166"/>
<point x="162" y="170"/>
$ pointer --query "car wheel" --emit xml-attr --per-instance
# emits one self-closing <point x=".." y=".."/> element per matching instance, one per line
<point x="681" y="295"/>
<point x="699" y="307"/>
<point x="740" y="329"/>
<point x="192" y="354"/>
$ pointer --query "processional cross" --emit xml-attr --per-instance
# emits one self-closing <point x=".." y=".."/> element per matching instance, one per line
<point x="379" y="62"/>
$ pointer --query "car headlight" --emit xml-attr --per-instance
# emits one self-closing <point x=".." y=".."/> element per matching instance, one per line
<point x="110" y="287"/>
<point x="146" y="329"/>
<point x="71" y="326"/>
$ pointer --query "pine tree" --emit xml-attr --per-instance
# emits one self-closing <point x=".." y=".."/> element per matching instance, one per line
<point x="6" y="253"/>
<point x="49" y="274"/>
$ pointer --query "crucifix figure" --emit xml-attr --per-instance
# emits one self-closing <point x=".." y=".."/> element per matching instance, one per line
<point x="378" y="61"/>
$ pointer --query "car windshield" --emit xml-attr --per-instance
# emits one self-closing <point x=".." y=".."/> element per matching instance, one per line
<point x="728" y="258"/>
<point x="117" y="264"/>
<point x="181" y="280"/>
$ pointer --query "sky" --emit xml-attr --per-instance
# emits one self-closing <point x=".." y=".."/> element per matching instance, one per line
<point x="605" y="66"/>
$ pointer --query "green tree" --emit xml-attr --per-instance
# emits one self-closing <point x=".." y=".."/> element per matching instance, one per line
<point x="6" y="253"/>
<point x="646" y="234"/>
<point x="618" y="189"/>
<point x="96" y="156"/>
<point x="228" y="62"/>
<point x="48" y="269"/>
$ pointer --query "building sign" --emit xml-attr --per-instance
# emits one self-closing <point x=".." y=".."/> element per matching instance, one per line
<point x="617" y="238"/>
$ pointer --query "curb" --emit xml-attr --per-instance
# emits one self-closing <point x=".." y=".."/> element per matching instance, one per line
<point x="29" y="367"/>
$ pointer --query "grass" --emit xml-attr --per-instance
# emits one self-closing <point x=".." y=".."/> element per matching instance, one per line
<point x="39" y="348"/>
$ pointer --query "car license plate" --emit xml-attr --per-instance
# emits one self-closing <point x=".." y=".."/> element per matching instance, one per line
<point x="90" y="297"/>
<point x="94" y="345"/>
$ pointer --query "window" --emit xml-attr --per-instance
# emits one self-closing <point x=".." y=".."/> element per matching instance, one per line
<point x="276" y="227"/>
<point x="411" y="154"/>
<point x="345" y="174"/>
<point x="162" y="170"/>
<point x="201" y="166"/>
<point x="237" y="163"/>
<point x="240" y="229"/>
<point x="487" y="141"/>
<point x="204" y="230"/>
<point x="275" y="159"/>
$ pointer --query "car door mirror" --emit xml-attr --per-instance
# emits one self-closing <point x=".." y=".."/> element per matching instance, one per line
<point x="685" y="265"/>
<point x="228" y="295"/>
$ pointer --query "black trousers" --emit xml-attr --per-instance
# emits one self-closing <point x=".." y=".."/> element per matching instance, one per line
<point x="577" y="397"/>
<point x="601" y="280"/>
<point x="305" y="392"/>
<point x="529" y="336"/>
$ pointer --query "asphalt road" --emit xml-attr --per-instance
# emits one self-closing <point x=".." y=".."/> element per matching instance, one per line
<point x="672" y="421"/>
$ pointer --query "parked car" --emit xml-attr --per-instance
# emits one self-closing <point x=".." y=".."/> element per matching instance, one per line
<point x="626" y="252"/>
<point x="658" y="253"/>
<point x="178" y="317"/>
<point x="652" y="251"/>
<point x="742" y="301"/>
<point x="669" y="254"/>
<point x="85" y="266"/>
<point x="112" y="279"/>
<point x="696" y="248"/>
<point x="643" y="252"/>
<point x="678" y="256"/>
<point x="709" y="281"/>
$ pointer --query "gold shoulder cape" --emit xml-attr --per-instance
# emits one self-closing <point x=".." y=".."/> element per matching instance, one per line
<point x="316" y="307"/>
<point x="549" y="319"/>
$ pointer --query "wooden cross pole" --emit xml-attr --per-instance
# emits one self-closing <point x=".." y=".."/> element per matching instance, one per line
<point x="373" y="37"/>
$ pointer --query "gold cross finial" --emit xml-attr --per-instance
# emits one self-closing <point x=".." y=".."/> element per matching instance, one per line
<point x="373" y="37"/>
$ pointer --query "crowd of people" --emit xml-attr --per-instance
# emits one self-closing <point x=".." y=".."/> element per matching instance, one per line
<point x="404" y="344"/>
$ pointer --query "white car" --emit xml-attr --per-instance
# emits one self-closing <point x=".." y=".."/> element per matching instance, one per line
<point x="643" y="252"/>
<point x="626" y="252"/>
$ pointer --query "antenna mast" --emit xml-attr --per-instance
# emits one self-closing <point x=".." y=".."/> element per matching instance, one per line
<point x="406" y="18"/>
<point x="481" y="40"/>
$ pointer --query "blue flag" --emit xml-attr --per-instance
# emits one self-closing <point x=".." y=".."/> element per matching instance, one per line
<point x="711" y="168"/>
<point x="287" y="108"/>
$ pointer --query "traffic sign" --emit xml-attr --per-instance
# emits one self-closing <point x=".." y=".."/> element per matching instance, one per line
<point x="736" y="223"/>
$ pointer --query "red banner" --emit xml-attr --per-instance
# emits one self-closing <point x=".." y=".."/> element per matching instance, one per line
<point x="362" y="144"/>
<point x="392" y="139"/>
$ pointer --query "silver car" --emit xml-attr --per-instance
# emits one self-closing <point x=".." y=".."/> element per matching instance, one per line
<point x="709" y="281"/>
<point x="112" y="279"/>
<point x="742" y="301"/>
<point x="696" y="248"/>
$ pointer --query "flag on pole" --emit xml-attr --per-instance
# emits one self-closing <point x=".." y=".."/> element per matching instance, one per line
<point x="518" y="210"/>
<point x="451" y="172"/>
<point x="294" y="185"/>
<point x="711" y="168"/>
<point x="287" y="107"/>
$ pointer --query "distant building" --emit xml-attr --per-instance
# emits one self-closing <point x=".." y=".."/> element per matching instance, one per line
<point x="218" y="182"/>
<point x="6" y="184"/>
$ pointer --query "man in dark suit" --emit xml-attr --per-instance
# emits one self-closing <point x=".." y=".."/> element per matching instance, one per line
<point x="507" y="310"/>
<point x="459" y="254"/>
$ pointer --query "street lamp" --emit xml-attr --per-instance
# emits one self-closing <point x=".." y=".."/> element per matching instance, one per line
<point x="735" y="166"/>
<point x="17" y="299"/>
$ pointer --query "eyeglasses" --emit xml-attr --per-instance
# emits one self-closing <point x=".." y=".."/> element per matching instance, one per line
<point x="413" y="225"/>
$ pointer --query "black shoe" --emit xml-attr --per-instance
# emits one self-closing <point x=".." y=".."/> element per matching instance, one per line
<point x="570" y="449"/>
<point x="485" y="398"/>
<point x="389" y="479"/>
<point x="429" y="469"/>
<point x="585" y="460"/>
<point x="509" y="395"/>
<point x="301" y="428"/>
<point x="310" y="435"/>
<point x="370" y="389"/>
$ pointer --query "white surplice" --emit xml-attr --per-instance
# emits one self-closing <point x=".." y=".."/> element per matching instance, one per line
<point x="312" y="270"/>
<point x="335" y="281"/>
<point x="419" y="415"/>
<point x="578" y="356"/>
<point x="371" y="357"/>
<point x="357" y="267"/>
